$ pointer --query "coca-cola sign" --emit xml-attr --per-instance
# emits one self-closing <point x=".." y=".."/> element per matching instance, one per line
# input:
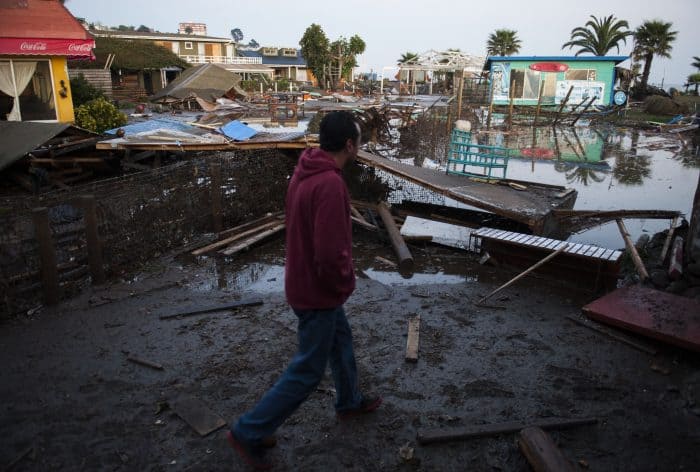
<point x="32" y="46"/>
<point x="47" y="47"/>
<point x="85" y="47"/>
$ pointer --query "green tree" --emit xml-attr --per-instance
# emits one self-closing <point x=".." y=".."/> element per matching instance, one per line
<point x="237" y="35"/>
<point x="143" y="29"/>
<point x="503" y="42"/>
<point x="314" y="47"/>
<point x="343" y="53"/>
<point x="652" y="38"/>
<point x="599" y="36"/>
<point x="696" y="62"/>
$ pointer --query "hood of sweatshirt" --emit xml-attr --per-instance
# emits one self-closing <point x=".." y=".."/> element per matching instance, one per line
<point x="314" y="161"/>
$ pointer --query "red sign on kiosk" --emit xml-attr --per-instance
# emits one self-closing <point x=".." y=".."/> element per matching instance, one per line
<point x="47" y="47"/>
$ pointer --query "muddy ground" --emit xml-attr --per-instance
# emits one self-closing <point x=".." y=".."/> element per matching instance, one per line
<point x="71" y="400"/>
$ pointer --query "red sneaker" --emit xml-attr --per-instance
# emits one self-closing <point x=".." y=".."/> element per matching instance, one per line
<point x="367" y="405"/>
<point x="252" y="455"/>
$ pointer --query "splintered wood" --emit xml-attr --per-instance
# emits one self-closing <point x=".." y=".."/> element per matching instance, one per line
<point x="412" y="341"/>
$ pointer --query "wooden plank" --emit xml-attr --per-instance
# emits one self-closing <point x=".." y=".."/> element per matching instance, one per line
<point x="413" y="338"/>
<point x="615" y="256"/>
<point x="92" y="236"/>
<point x="144" y="362"/>
<point x="196" y="414"/>
<point x="572" y="249"/>
<point x="212" y="309"/>
<point x="479" y="431"/>
<point x="47" y="256"/>
<point x="582" y="249"/>
<point x="541" y="452"/>
<point x="523" y="274"/>
<point x="606" y="255"/>
<point x="252" y="240"/>
<point x="251" y="224"/>
<point x="598" y="252"/>
<point x="227" y="241"/>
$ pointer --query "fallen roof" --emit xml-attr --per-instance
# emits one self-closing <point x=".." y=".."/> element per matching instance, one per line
<point x="21" y="137"/>
<point x="208" y="81"/>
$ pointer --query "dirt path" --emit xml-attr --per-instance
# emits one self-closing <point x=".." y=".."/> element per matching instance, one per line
<point x="69" y="393"/>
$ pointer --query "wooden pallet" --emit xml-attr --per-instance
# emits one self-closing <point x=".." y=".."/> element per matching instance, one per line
<point x="596" y="266"/>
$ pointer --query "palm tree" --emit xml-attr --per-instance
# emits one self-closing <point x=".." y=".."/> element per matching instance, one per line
<point x="653" y="38"/>
<point x="408" y="58"/>
<point x="696" y="62"/>
<point x="599" y="36"/>
<point x="503" y="42"/>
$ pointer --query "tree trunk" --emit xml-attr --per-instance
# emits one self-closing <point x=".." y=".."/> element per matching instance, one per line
<point x="647" y="69"/>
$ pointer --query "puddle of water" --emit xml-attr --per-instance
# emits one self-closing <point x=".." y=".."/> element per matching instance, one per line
<point x="262" y="270"/>
<point x="611" y="169"/>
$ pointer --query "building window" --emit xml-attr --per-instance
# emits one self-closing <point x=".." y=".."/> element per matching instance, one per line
<point x="581" y="74"/>
<point x="188" y="45"/>
<point x="269" y="51"/>
<point x="525" y="83"/>
<point x="289" y="52"/>
<point x="26" y="91"/>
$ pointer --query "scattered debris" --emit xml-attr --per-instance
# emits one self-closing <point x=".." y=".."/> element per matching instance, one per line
<point x="227" y="307"/>
<point x="406" y="452"/>
<point x="592" y="325"/>
<point x="478" y="431"/>
<point x="196" y="414"/>
<point x="541" y="452"/>
<point x="413" y="338"/>
<point x="144" y="362"/>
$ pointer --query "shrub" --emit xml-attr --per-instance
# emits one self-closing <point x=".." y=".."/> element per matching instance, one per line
<point x="83" y="91"/>
<point x="99" y="115"/>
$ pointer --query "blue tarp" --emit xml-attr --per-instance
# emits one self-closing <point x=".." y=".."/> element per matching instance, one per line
<point x="237" y="131"/>
<point x="152" y="125"/>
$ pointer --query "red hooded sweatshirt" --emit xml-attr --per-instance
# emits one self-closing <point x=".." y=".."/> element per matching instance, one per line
<point x="318" y="272"/>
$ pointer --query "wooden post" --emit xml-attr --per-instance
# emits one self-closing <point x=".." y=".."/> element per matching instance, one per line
<point x="583" y="111"/>
<point x="460" y="92"/>
<point x="539" y="103"/>
<point x="562" y="105"/>
<point x="402" y="252"/>
<point x="47" y="256"/>
<point x="641" y="270"/>
<point x="92" y="235"/>
<point x="510" y="107"/>
<point x="488" y="119"/>
<point x="215" y="193"/>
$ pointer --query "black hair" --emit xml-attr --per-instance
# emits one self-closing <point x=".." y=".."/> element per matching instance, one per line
<point x="335" y="130"/>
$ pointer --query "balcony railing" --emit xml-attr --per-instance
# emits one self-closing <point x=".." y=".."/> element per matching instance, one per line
<point x="222" y="59"/>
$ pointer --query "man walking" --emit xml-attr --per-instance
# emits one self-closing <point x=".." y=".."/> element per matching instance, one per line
<point x="319" y="278"/>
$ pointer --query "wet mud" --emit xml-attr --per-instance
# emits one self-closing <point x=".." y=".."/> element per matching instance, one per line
<point x="71" y="399"/>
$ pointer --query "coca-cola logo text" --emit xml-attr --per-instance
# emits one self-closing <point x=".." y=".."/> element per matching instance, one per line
<point x="38" y="46"/>
<point x="86" y="47"/>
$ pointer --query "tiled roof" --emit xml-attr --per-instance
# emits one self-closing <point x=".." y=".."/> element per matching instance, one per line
<point x="45" y="19"/>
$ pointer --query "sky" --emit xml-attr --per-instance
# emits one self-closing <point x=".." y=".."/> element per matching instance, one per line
<point x="391" y="28"/>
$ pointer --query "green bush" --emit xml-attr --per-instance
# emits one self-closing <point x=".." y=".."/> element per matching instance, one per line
<point x="99" y="115"/>
<point x="83" y="91"/>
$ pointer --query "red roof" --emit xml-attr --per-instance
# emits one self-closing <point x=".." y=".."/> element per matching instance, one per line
<point x="44" y="19"/>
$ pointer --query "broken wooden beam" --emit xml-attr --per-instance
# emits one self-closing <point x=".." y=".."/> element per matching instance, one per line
<point x="524" y="273"/>
<point x="403" y="254"/>
<point x="669" y="238"/>
<point x="413" y="338"/>
<point x="227" y="241"/>
<point x="480" y="431"/>
<point x="641" y="270"/>
<point x="541" y="452"/>
<point x="144" y="362"/>
<point x="229" y="306"/>
<point x="245" y="244"/>
<point x="47" y="256"/>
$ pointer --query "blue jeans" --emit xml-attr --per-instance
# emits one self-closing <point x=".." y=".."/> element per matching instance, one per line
<point x="324" y="337"/>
